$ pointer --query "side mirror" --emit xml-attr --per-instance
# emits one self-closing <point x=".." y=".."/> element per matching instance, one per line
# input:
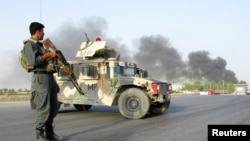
<point x="145" y="74"/>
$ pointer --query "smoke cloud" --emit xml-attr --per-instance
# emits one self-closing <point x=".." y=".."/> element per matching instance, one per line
<point x="202" y="67"/>
<point x="153" y="53"/>
<point x="70" y="37"/>
<point x="164" y="61"/>
<point x="158" y="57"/>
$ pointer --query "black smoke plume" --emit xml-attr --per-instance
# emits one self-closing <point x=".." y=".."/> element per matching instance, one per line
<point x="203" y="67"/>
<point x="158" y="57"/>
<point x="153" y="53"/>
<point x="163" y="61"/>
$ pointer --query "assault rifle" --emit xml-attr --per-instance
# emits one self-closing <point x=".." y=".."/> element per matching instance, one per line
<point x="62" y="61"/>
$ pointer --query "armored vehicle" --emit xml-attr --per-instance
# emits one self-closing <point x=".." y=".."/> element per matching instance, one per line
<point x="106" y="80"/>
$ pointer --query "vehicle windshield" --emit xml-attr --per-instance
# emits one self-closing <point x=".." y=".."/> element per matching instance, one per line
<point x="129" y="71"/>
<point x="124" y="70"/>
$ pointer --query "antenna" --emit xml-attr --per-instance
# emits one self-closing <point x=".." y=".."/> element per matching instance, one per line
<point x="88" y="40"/>
<point x="40" y="10"/>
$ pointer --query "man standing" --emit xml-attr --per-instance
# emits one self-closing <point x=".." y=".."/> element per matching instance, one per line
<point x="44" y="88"/>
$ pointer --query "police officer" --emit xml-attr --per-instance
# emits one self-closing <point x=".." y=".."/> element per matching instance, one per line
<point x="44" y="88"/>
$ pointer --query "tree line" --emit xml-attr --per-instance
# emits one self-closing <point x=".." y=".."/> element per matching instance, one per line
<point x="13" y="91"/>
<point x="206" y="86"/>
<point x="195" y="86"/>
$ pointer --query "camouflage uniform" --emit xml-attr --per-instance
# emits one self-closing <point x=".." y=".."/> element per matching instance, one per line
<point x="43" y="87"/>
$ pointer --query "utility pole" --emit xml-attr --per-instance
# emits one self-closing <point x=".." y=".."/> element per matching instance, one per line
<point x="223" y="86"/>
<point x="40" y="10"/>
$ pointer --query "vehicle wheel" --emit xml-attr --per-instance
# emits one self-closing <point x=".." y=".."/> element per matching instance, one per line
<point x="81" y="107"/>
<point x="133" y="103"/>
<point x="159" y="108"/>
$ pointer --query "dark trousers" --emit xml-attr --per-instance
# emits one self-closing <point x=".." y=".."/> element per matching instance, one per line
<point x="44" y="97"/>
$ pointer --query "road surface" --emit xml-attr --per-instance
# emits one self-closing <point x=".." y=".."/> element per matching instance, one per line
<point x="186" y="120"/>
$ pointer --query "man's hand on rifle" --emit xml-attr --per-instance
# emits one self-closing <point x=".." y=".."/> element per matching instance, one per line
<point x="49" y="55"/>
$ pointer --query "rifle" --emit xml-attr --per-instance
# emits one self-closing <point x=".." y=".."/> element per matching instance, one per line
<point x="62" y="61"/>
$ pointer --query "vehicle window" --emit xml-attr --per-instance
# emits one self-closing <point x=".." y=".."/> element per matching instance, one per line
<point x="123" y="70"/>
<point x="129" y="71"/>
<point x="62" y="72"/>
<point x="90" y="71"/>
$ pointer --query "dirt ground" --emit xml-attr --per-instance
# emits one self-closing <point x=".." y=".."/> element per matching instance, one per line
<point x="14" y="97"/>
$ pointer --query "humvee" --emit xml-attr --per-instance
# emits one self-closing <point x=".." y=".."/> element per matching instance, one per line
<point x="106" y="80"/>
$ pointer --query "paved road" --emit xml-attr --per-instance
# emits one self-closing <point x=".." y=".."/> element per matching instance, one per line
<point x="186" y="120"/>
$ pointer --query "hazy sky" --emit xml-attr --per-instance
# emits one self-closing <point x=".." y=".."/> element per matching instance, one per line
<point x="220" y="27"/>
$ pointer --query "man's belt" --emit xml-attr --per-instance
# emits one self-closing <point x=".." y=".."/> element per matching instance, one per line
<point x="42" y="72"/>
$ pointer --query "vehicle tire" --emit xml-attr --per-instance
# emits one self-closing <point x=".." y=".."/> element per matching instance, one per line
<point x="133" y="103"/>
<point x="81" y="107"/>
<point x="159" y="108"/>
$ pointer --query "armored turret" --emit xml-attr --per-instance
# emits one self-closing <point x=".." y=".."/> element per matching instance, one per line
<point x="96" y="49"/>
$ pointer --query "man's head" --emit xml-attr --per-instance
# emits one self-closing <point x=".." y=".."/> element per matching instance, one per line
<point x="36" y="30"/>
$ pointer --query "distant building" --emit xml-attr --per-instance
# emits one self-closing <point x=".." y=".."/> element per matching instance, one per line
<point x="176" y="86"/>
<point x="241" y="89"/>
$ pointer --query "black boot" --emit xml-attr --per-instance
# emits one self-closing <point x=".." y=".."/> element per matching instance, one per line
<point x="50" y="134"/>
<point x="40" y="135"/>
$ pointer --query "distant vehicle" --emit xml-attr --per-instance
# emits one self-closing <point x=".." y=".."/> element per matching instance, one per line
<point x="248" y="92"/>
<point x="217" y="92"/>
<point x="106" y="80"/>
<point x="211" y="92"/>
